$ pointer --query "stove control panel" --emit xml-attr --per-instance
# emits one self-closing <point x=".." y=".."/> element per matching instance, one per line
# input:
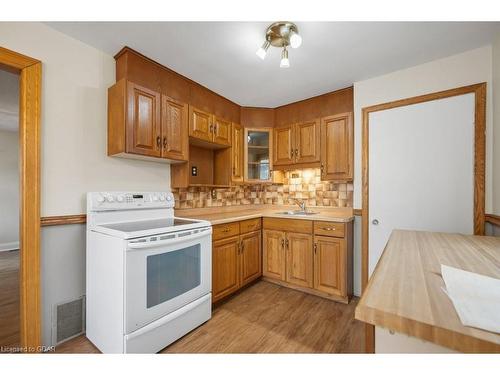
<point x="102" y="201"/>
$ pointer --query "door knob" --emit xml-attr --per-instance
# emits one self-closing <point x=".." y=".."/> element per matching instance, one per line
<point x="375" y="222"/>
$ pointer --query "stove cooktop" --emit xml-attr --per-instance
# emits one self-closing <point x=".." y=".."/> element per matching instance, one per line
<point x="136" y="226"/>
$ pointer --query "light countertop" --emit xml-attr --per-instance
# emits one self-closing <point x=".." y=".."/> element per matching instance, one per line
<point x="405" y="293"/>
<point x="227" y="214"/>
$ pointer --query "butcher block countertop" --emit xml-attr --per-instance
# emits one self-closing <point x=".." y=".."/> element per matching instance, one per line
<point x="227" y="214"/>
<point x="404" y="292"/>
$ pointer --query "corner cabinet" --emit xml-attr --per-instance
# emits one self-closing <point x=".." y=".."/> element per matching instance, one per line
<point x="142" y="123"/>
<point x="257" y="156"/>
<point x="337" y="147"/>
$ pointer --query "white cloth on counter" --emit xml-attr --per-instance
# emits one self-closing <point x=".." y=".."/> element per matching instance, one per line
<point x="476" y="297"/>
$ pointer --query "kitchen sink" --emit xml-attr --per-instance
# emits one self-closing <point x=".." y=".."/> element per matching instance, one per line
<point x="297" y="213"/>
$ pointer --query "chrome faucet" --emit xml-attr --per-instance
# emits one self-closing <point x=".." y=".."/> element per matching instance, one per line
<point x="300" y="203"/>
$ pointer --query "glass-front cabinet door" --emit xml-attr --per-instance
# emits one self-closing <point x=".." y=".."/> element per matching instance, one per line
<point x="258" y="166"/>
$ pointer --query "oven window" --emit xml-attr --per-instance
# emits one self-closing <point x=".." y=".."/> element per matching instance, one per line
<point x="171" y="274"/>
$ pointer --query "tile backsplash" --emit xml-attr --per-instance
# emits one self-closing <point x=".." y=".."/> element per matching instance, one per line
<point x="304" y="184"/>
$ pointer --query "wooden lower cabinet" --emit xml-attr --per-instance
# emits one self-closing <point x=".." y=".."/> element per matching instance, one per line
<point x="236" y="258"/>
<point x="225" y="267"/>
<point x="330" y="265"/>
<point x="273" y="263"/>
<point x="313" y="257"/>
<point x="299" y="259"/>
<point x="250" y="257"/>
<point x="312" y="263"/>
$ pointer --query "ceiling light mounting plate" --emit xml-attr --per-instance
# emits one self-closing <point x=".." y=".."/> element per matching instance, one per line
<point x="278" y="34"/>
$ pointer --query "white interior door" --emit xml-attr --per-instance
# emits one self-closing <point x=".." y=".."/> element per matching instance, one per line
<point x="421" y="170"/>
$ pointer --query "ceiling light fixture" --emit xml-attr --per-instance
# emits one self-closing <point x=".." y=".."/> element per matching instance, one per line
<point x="284" y="63"/>
<point x="281" y="35"/>
<point x="261" y="52"/>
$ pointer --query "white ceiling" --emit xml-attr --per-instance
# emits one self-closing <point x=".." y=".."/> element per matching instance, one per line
<point x="333" y="55"/>
<point x="9" y="101"/>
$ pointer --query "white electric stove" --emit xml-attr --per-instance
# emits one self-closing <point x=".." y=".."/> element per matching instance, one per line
<point x="148" y="272"/>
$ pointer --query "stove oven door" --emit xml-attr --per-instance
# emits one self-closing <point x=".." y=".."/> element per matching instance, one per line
<point x="164" y="273"/>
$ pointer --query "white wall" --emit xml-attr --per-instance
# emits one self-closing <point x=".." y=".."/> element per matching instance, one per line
<point x="9" y="190"/>
<point x="74" y="121"/>
<point x="74" y="133"/>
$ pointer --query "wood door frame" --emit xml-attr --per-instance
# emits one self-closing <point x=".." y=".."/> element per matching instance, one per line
<point x="30" y="82"/>
<point x="479" y="170"/>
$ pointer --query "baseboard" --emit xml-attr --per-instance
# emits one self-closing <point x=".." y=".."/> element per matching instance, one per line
<point x="7" y="246"/>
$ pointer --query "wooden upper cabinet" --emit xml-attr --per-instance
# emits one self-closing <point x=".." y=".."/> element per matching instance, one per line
<point x="307" y="142"/>
<point x="237" y="153"/>
<point x="284" y="146"/>
<point x="221" y="131"/>
<point x="200" y="124"/>
<point x="250" y="258"/>
<point x="299" y="259"/>
<point x="274" y="262"/>
<point x="337" y="148"/>
<point x="330" y="265"/>
<point x="209" y="128"/>
<point x="143" y="121"/>
<point x="225" y="267"/>
<point x="174" y="124"/>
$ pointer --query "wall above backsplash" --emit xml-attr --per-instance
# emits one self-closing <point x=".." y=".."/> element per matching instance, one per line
<point x="303" y="184"/>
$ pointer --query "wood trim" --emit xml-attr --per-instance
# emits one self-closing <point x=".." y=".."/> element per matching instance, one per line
<point x="15" y="61"/>
<point x="29" y="170"/>
<point x="492" y="219"/>
<point x="357" y="211"/>
<point x="479" y="170"/>
<point x="63" y="220"/>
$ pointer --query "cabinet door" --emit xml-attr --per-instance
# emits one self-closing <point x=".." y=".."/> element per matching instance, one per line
<point x="222" y="131"/>
<point x="200" y="124"/>
<point x="299" y="259"/>
<point x="225" y="268"/>
<point x="143" y="121"/>
<point x="273" y="262"/>
<point x="174" y="129"/>
<point x="337" y="147"/>
<point x="250" y="257"/>
<point x="307" y="142"/>
<point x="330" y="265"/>
<point x="237" y="153"/>
<point x="284" y="147"/>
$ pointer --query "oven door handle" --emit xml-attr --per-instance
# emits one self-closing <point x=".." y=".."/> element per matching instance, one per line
<point x="149" y="245"/>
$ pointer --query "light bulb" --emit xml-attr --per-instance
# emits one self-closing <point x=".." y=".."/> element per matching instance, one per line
<point x="295" y="40"/>
<point x="285" y="63"/>
<point x="261" y="52"/>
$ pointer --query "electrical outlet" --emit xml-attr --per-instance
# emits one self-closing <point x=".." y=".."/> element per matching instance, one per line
<point x="295" y="175"/>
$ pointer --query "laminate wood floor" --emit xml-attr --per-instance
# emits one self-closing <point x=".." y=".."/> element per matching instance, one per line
<point x="9" y="298"/>
<point x="266" y="318"/>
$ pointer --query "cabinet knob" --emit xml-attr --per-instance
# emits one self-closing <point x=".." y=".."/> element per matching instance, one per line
<point x="296" y="152"/>
<point x="375" y="222"/>
<point x="164" y="142"/>
<point x="158" y="142"/>
<point x="315" y="248"/>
